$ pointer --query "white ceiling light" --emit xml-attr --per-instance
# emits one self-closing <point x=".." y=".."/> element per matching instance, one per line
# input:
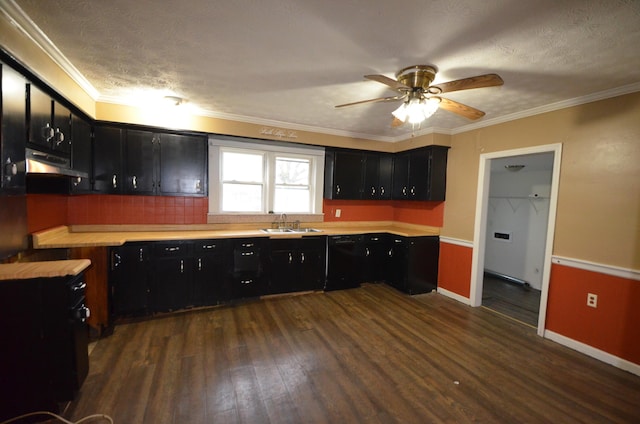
<point x="416" y="110"/>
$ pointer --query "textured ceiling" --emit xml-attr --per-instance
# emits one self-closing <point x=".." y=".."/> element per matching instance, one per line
<point x="291" y="61"/>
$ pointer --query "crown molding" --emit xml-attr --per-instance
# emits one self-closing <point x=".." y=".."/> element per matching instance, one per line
<point x="23" y="23"/>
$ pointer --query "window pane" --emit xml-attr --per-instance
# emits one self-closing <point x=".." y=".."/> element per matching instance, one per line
<point x="292" y="199"/>
<point x="241" y="197"/>
<point x="244" y="167"/>
<point x="292" y="171"/>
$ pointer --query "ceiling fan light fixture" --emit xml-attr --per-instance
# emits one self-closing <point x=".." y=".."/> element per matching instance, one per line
<point x="416" y="111"/>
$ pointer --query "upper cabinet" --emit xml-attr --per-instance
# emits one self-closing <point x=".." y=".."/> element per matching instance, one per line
<point x="81" y="158"/>
<point x="13" y="135"/>
<point x="418" y="174"/>
<point x="49" y="123"/>
<point x="133" y="161"/>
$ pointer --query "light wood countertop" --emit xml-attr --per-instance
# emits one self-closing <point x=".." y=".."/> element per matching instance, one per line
<point x="116" y="235"/>
<point x="45" y="269"/>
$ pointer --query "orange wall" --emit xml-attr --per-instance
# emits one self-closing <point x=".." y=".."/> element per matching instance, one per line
<point x="454" y="268"/>
<point x="612" y="326"/>
<point x="422" y="213"/>
<point x="51" y="210"/>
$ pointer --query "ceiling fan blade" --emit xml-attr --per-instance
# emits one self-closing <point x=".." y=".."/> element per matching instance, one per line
<point x="398" y="86"/>
<point x="480" y="81"/>
<point x="460" y="109"/>
<point x="379" y="99"/>
<point x="396" y="122"/>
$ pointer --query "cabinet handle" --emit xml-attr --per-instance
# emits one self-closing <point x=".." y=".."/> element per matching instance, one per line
<point x="337" y="188"/>
<point x="134" y="181"/>
<point x="246" y="281"/>
<point x="413" y="190"/>
<point x="381" y="191"/>
<point x="181" y="266"/>
<point x="390" y="253"/>
<point x="58" y="137"/>
<point x="199" y="264"/>
<point x="114" y="181"/>
<point x="373" y="191"/>
<point x="246" y="254"/>
<point x="198" y="186"/>
<point x="247" y="244"/>
<point x="290" y="257"/>
<point x="47" y="132"/>
<point x="78" y="287"/>
<point x="404" y="191"/>
<point x="208" y="246"/>
<point x="366" y="251"/>
<point x="140" y="256"/>
<point x="171" y="249"/>
<point x="116" y="260"/>
<point x="302" y="257"/>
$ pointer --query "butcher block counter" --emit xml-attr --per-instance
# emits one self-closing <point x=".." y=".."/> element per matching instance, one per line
<point x="117" y="235"/>
<point x="45" y="269"/>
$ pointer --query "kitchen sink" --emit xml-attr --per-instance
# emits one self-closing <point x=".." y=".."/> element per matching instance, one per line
<point x="290" y="230"/>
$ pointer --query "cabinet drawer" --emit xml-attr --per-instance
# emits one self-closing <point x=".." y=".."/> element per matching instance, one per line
<point x="206" y="247"/>
<point x="172" y="249"/>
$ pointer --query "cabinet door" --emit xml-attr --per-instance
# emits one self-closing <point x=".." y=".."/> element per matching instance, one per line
<point x="41" y="131"/>
<point x="371" y="184"/>
<point x="418" y="181"/>
<point x="422" y="264"/>
<point x="12" y="138"/>
<point x="385" y="176"/>
<point x="396" y="275"/>
<point x="183" y="165"/>
<point x="107" y="163"/>
<point x="212" y="261"/>
<point x="139" y="162"/>
<point x="284" y="268"/>
<point x="345" y="175"/>
<point x="171" y="284"/>
<point x="400" y="176"/>
<point x="128" y="280"/>
<point x="438" y="173"/>
<point x="81" y="153"/>
<point x="375" y="257"/>
<point x="61" y="129"/>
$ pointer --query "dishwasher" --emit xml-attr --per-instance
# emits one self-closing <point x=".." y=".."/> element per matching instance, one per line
<point x="343" y="262"/>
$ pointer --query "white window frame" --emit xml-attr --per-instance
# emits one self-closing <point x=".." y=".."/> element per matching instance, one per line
<point x="269" y="150"/>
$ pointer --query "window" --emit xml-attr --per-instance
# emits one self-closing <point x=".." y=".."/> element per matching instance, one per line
<point x="263" y="177"/>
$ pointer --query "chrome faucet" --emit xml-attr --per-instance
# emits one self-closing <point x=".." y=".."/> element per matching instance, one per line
<point x="283" y="220"/>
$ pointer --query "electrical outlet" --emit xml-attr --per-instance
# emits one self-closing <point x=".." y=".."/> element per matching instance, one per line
<point x="592" y="300"/>
<point x="338" y="213"/>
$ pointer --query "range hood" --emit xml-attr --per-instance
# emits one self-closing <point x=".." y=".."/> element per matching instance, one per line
<point x="49" y="164"/>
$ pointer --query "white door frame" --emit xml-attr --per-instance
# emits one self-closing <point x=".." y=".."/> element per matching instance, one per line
<point x="480" y="226"/>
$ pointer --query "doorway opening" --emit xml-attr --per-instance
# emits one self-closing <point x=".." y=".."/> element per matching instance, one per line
<point x="514" y="227"/>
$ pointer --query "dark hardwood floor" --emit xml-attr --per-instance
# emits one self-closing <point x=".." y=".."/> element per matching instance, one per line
<point x="513" y="300"/>
<point x="366" y="355"/>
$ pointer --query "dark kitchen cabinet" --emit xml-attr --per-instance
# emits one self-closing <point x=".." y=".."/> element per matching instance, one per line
<point x="81" y="150"/>
<point x="129" y="279"/>
<point x="413" y="264"/>
<point x="139" y="161"/>
<point x="297" y="264"/>
<point x="343" y="175"/>
<point x="249" y="276"/>
<point x="212" y="267"/>
<point x="420" y="174"/>
<point x="183" y="165"/>
<point x="378" y="173"/>
<point x="107" y="159"/>
<point x="171" y="280"/>
<point x="374" y="251"/>
<point x="44" y="359"/>
<point x="49" y="123"/>
<point x="13" y="134"/>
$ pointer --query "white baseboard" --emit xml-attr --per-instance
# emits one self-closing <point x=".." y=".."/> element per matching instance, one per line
<point x="593" y="352"/>
<point x="454" y="296"/>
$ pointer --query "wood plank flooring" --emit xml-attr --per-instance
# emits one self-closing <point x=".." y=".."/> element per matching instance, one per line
<point x="513" y="300"/>
<point x="366" y="355"/>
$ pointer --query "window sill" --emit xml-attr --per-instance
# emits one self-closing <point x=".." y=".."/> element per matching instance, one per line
<point x="244" y="218"/>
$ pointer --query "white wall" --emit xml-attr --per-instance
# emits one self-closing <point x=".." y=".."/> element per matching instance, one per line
<point x="518" y="205"/>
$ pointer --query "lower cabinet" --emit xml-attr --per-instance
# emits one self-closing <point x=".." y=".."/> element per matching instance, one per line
<point x="297" y="264"/>
<point x="163" y="276"/>
<point x="413" y="263"/>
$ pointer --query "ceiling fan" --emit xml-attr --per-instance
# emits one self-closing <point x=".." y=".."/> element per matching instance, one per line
<point x="421" y="100"/>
